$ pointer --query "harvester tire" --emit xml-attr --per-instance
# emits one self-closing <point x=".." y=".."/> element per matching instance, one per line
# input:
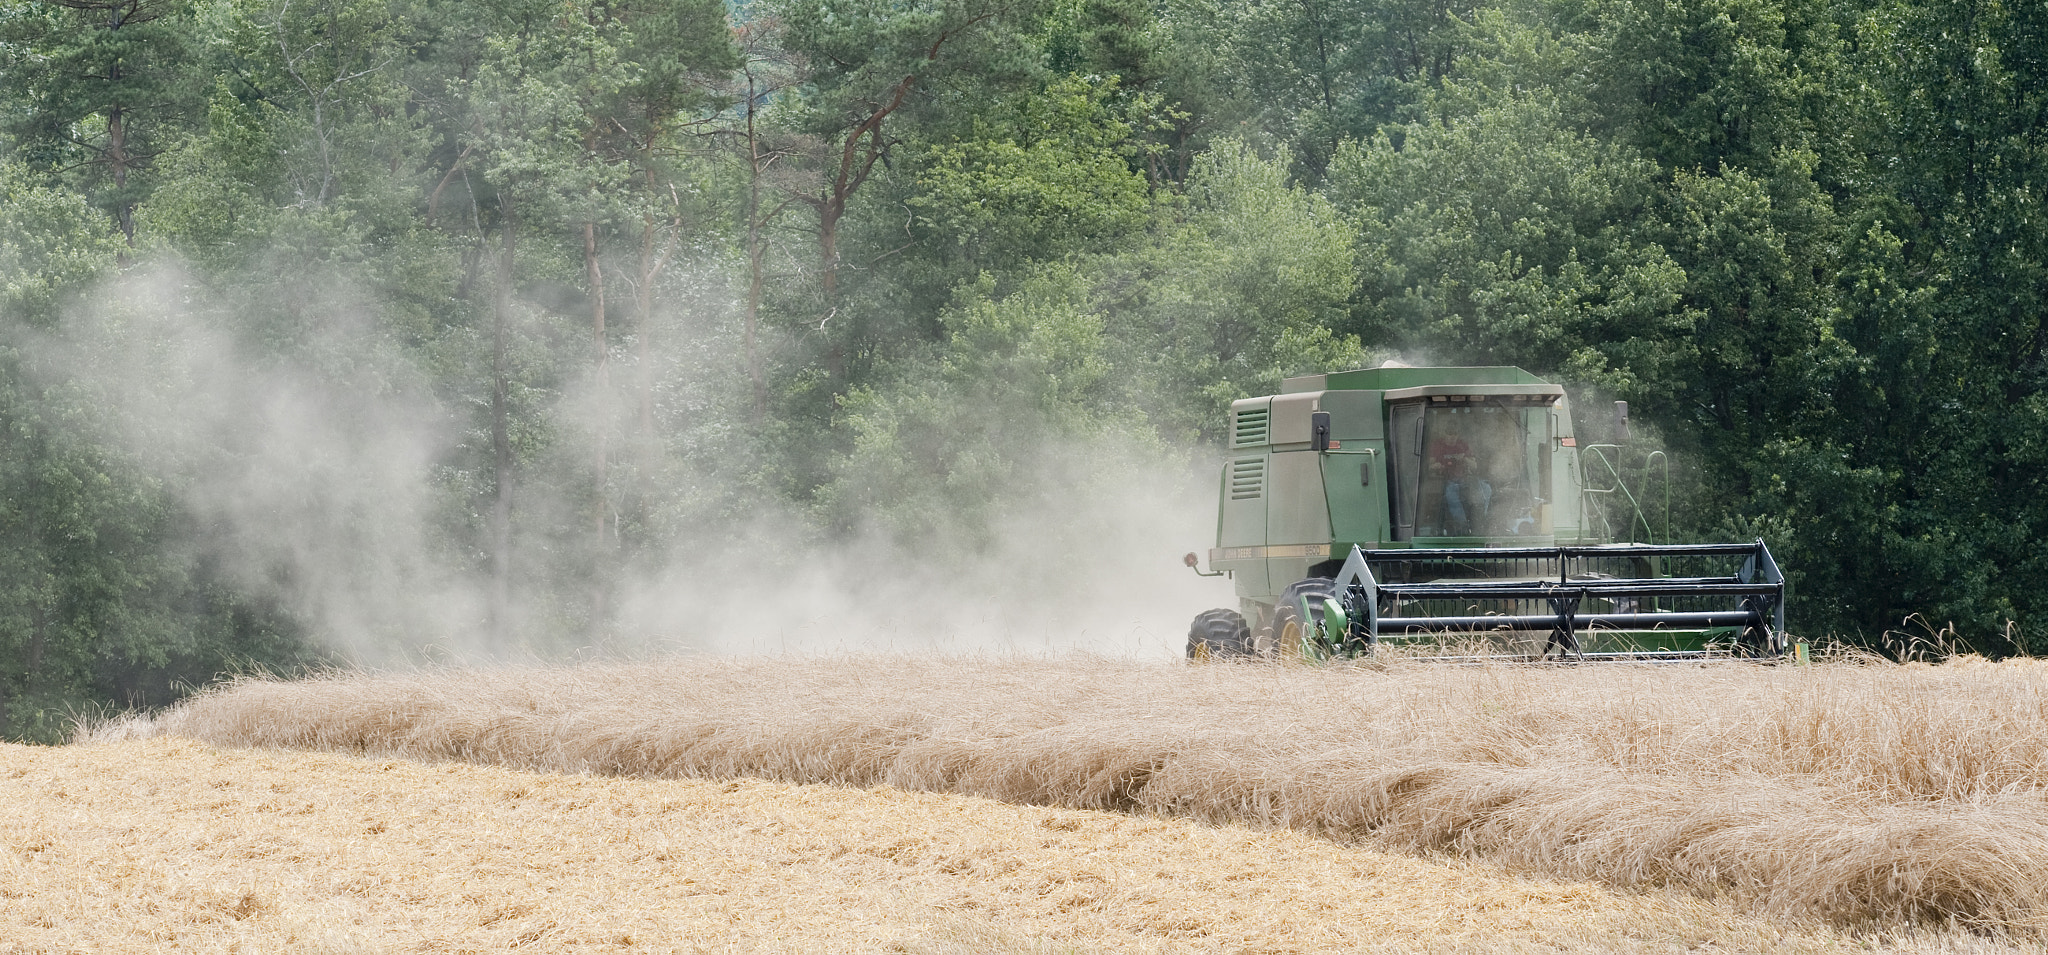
<point x="1291" y="637"/>
<point x="1219" y="634"/>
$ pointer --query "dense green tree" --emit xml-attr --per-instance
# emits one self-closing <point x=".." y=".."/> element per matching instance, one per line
<point x="1055" y="172"/>
<point x="101" y="87"/>
<point x="638" y="75"/>
<point x="217" y="202"/>
<point x="1024" y="383"/>
<point x="1244" y="283"/>
<point x="1506" y="237"/>
<point x="905" y="266"/>
<point x="103" y="601"/>
<point x="1327" y="71"/>
<point x="1945" y="280"/>
<point x="1052" y="382"/>
<point x="872" y="69"/>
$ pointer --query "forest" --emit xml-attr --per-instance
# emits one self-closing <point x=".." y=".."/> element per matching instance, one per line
<point x="327" y="326"/>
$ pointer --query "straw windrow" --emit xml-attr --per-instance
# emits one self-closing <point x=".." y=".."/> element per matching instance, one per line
<point x="1853" y="793"/>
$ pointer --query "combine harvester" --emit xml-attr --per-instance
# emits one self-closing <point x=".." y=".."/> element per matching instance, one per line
<point x="1451" y="508"/>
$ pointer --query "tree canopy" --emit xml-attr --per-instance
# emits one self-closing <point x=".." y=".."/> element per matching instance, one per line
<point x="501" y="303"/>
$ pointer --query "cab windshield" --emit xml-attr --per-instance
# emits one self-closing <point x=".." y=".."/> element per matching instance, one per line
<point x="1470" y="469"/>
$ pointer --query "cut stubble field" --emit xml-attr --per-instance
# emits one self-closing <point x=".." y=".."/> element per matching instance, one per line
<point x="1071" y="804"/>
<point x="170" y="846"/>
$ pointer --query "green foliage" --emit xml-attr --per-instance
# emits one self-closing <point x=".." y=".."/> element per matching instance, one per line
<point x="1245" y="284"/>
<point x="1762" y="338"/>
<point x="1118" y="40"/>
<point x="992" y="426"/>
<point x="1066" y="377"/>
<point x="102" y="601"/>
<point x="51" y="246"/>
<point x="1052" y="175"/>
<point x="930" y="264"/>
<point x="101" y="86"/>
<point x="214" y="203"/>
<point x="1507" y="238"/>
<point x="1322" y="72"/>
<point x="99" y="603"/>
<point x="1700" y="85"/>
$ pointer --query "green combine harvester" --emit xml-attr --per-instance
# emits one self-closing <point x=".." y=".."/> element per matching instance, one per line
<point x="1451" y="508"/>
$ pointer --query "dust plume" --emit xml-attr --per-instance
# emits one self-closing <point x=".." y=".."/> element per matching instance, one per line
<point x="304" y="473"/>
<point x="322" y="467"/>
<point x="1102" y="574"/>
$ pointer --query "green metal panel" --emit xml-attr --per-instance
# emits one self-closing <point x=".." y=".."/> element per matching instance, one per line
<point x="1287" y="570"/>
<point x="1245" y="491"/>
<point x="1251" y="423"/>
<point x="1354" y="415"/>
<point x="1356" y="480"/>
<point x="1566" y="498"/>
<point x="1290" y="430"/>
<point x="1296" y="508"/>
<point x="1241" y="523"/>
<point x="1297" y="517"/>
<point x="1381" y="379"/>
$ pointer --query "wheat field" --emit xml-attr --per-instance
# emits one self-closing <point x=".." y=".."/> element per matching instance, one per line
<point x="1860" y="795"/>
<point x="170" y="846"/>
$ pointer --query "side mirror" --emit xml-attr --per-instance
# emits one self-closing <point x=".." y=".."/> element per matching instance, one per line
<point x="1195" y="564"/>
<point x="1621" y="422"/>
<point x="1319" y="430"/>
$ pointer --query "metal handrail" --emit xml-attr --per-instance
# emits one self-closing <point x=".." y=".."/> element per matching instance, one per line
<point x="1614" y="470"/>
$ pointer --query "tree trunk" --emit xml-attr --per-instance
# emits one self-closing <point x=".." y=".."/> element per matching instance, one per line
<point x="38" y="642"/>
<point x="601" y="462"/>
<point x="643" y="344"/>
<point x="117" y="161"/>
<point x="857" y="157"/>
<point x="652" y="261"/>
<point x="647" y="449"/>
<point x="38" y="638"/>
<point x="501" y="434"/>
<point x="593" y="270"/>
<point x="829" y="215"/>
<point x="755" y="267"/>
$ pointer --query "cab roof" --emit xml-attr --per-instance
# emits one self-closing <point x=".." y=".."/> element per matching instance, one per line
<point x="1385" y="378"/>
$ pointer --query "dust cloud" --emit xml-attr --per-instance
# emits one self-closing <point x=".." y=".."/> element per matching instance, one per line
<point x="307" y="480"/>
<point x="317" y="465"/>
<point x="1101" y="575"/>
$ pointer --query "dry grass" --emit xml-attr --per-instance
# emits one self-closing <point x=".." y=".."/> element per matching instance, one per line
<point x="1893" y="795"/>
<point x="169" y="846"/>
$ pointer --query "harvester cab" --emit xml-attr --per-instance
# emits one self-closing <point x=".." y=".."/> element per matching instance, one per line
<point x="1449" y="508"/>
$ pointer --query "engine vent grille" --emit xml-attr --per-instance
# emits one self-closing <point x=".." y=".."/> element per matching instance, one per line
<point x="1247" y="478"/>
<point x="1251" y="427"/>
